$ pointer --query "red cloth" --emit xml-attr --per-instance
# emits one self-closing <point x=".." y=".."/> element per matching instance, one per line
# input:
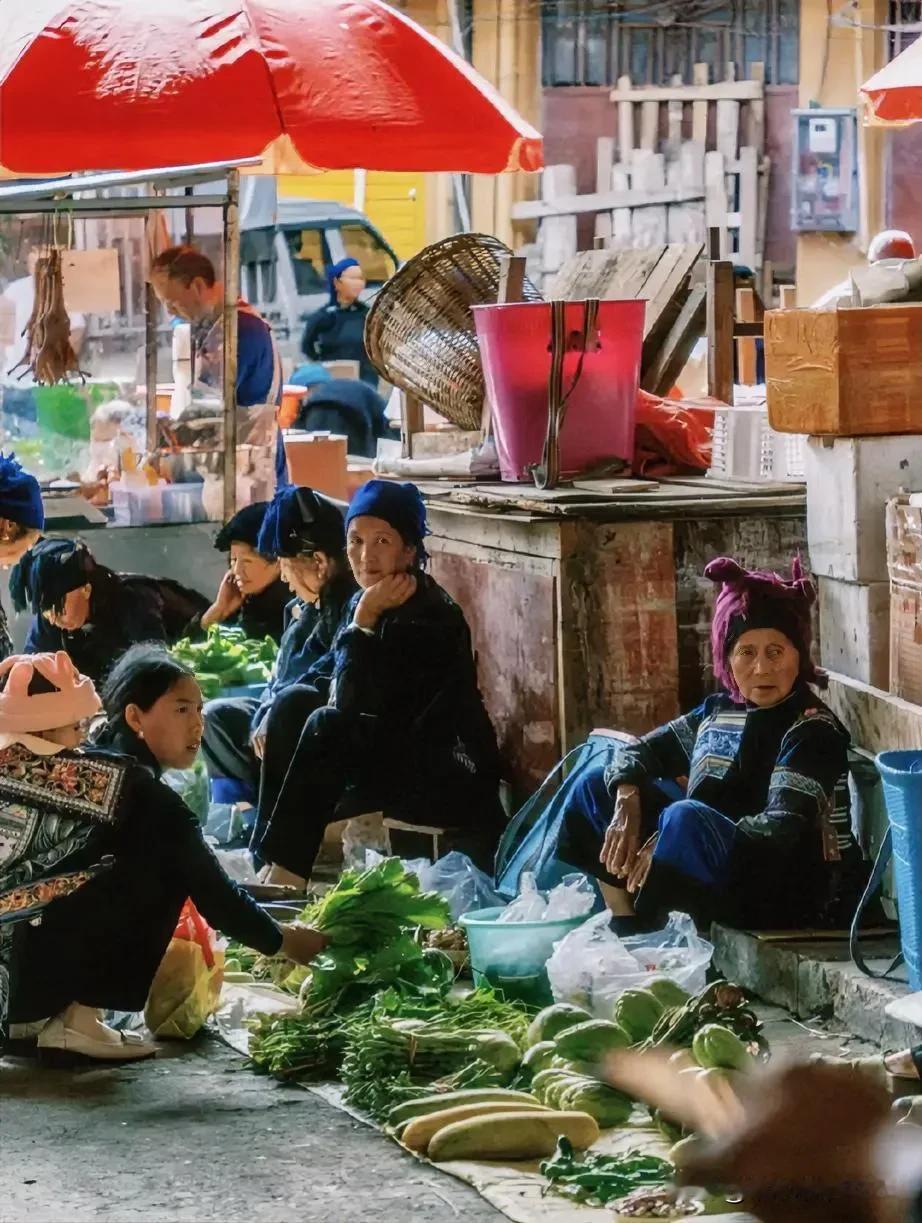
<point x="672" y="436"/>
<point x="332" y="84"/>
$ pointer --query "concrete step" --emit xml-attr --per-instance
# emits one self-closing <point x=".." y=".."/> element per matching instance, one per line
<point x="818" y="980"/>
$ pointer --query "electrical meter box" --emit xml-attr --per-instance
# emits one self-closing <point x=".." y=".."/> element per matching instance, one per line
<point x="824" y="189"/>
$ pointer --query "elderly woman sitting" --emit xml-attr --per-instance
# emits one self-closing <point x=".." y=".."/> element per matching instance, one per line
<point x="404" y="729"/>
<point x="762" y="836"/>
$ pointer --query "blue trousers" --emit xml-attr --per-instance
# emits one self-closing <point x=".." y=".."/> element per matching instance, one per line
<point x="694" y="839"/>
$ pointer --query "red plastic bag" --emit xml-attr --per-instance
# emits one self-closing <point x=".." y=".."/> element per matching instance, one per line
<point x="187" y="986"/>
<point x="672" y="436"/>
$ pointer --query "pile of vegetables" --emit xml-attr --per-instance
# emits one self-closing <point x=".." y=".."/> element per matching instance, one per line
<point x="597" y="1180"/>
<point x="403" y="1052"/>
<point x="227" y="658"/>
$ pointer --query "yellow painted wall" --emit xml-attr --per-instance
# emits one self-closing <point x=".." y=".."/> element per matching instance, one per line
<point x="834" y="62"/>
<point x="396" y="203"/>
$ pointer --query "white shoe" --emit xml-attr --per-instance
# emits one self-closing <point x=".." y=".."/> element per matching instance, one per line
<point x="56" y="1039"/>
<point x="26" y="1031"/>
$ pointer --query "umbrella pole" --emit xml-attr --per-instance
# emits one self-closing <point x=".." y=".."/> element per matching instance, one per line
<point x="151" y="306"/>
<point x="231" y="294"/>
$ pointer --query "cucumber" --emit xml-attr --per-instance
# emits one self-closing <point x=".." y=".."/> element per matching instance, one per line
<point x="513" y="1136"/>
<point x="421" y="1130"/>
<point x="424" y="1105"/>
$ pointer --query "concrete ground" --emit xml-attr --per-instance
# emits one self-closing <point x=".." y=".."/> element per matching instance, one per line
<point x="196" y="1136"/>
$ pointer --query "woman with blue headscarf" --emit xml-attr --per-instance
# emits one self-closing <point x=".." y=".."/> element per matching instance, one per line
<point x="404" y="730"/>
<point x="248" y="743"/>
<point x="336" y="332"/>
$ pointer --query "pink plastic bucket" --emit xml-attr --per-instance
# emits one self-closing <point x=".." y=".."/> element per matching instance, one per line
<point x="516" y="354"/>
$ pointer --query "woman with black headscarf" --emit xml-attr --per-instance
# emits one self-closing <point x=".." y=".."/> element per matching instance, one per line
<point x="248" y="743"/>
<point x="91" y="613"/>
<point x="252" y="595"/>
<point x="404" y="730"/>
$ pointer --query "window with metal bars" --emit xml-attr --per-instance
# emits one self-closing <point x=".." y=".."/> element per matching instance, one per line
<point x="594" y="42"/>
<point x="905" y="25"/>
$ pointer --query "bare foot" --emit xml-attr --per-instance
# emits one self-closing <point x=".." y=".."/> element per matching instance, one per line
<point x="901" y="1065"/>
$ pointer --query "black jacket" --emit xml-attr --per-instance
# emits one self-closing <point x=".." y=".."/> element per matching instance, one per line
<point x="347" y="406"/>
<point x="415" y="675"/>
<point x="337" y="333"/>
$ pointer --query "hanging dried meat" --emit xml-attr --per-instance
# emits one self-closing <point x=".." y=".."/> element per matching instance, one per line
<point x="49" y="355"/>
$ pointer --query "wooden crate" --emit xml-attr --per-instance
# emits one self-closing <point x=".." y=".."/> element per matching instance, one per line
<point x="906" y="642"/>
<point x="845" y="373"/>
<point x="855" y="629"/>
<point x="850" y="480"/>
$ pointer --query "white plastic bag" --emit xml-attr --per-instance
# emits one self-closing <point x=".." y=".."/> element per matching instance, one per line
<point x="574" y="896"/>
<point x="463" y="885"/>
<point x="529" y="905"/>
<point x="592" y="966"/>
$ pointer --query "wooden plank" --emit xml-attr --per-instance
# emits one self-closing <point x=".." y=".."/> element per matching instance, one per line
<point x="728" y="129"/>
<point x="764" y="186"/>
<point x="720" y="330"/>
<point x="755" y="112"/>
<point x="649" y="126"/>
<point x="648" y="173"/>
<point x="607" y="275"/>
<point x="746" y="349"/>
<point x="511" y="279"/>
<point x="749" y="208"/>
<point x="700" y="76"/>
<point x="876" y="721"/>
<point x="622" y="226"/>
<point x="604" y="163"/>
<point x="715" y="203"/>
<point x="625" y="124"/>
<point x="668" y="281"/>
<point x="686" y="221"/>
<point x="787" y="297"/>
<point x="673" y="354"/>
<point x="413" y="421"/>
<point x="723" y="91"/>
<point x="558" y="232"/>
<point x="570" y="204"/>
<point x="674" y="113"/>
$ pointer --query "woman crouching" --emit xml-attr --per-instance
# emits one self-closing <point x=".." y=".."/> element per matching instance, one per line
<point x="102" y="818"/>
<point x="762" y="836"/>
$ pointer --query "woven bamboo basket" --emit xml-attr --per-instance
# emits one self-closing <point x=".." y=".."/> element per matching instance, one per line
<point x="420" y="332"/>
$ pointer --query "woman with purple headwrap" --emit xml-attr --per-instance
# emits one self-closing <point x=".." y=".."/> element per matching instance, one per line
<point x="761" y="836"/>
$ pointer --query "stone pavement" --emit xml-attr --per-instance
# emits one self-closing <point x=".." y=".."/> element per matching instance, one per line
<point x="196" y="1137"/>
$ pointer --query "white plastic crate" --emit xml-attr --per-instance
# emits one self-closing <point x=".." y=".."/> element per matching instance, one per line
<point x="746" y="447"/>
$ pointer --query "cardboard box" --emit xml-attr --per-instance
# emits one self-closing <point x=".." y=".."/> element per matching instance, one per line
<point x="855" y="630"/>
<point x="848" y="373"/>
<point x="849" y="483"/>
<point x="906" y="642"/>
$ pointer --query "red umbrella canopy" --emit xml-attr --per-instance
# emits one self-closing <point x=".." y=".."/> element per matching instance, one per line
<point x="323" y="84"/>
<point x="894" y="95"/>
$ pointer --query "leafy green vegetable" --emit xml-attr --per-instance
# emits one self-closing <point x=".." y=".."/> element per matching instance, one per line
<point x="597" y="1179"/>
<point x="227" y="658"/>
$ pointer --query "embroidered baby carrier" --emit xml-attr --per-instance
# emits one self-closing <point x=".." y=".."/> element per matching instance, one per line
<point x="50" y="807"/>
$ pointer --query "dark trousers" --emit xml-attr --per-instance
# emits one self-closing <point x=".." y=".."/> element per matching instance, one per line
<point x="100" y="946"/>
<point x="344" y="766"/>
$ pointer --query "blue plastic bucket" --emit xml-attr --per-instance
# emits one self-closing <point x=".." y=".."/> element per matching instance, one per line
<point x="901" y="774"/>
<point x="513" y="956"/>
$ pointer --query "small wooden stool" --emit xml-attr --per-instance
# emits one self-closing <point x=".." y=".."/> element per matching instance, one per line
<point x="419" y="840"/>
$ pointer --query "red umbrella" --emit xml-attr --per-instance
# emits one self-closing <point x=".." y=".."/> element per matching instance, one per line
<point x="894" y="95"/>
<point x="331" y="84"/>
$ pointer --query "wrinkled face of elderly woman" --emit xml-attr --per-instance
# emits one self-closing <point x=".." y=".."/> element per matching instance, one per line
<point x="765" y="665"/>
<point x="376" y="550"/>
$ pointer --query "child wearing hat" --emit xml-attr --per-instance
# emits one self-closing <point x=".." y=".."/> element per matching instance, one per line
<point x="761" y="836"/>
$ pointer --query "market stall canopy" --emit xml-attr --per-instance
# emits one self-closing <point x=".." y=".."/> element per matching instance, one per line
<point x="301" y="84"/>
<point x="893" y="96"/>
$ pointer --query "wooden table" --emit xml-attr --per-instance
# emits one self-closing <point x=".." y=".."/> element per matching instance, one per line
<point x="594" y="612"/>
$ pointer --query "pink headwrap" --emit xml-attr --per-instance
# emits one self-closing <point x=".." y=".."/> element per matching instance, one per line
<point x="753" y="599"/>
<point x="73" y="700"/>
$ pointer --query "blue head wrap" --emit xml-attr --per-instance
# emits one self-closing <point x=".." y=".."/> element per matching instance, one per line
<point x="300" y="520"/>
<point x="399" y="505"/>
<point x="243" y="528"/>
<point x="20" y="495"/>
<point x="335" y="272"/>
<point x="49" y="572"/>
<point x="310" y="374"/>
